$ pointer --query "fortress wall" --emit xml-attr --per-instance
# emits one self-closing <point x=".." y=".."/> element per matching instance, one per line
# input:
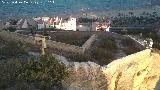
<point x="12" y="36"/>
<point x="137" y="43"/>
<point x="89" y="42"/>
<point x="58" y="45"/>
<point x="64" y="47"/>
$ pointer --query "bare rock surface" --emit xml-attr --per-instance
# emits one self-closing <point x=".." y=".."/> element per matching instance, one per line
<point x="85" y="76"/>
<point x="138" y="71"/>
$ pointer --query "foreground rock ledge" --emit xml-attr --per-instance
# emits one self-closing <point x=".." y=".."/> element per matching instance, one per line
<point x="139" y="71"/>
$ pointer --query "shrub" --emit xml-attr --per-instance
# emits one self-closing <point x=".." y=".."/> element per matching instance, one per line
<point x="7" y="73"/>
<point x="11" y="29"/>
<point x="79" y="58"/>
<point x="12" y="49"/>
<point x="156" y="44"/>
<point x="130" y="51"/>
<point x="22" y="75"/>
<point x="100" y="53"/>
<point x="129" y="46"/>
<point x="108" y="44"/>
<point x="46" y="73"/>
<point x="128" y="42"/>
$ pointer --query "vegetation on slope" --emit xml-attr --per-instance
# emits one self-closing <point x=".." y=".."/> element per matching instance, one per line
<point x="104" y="49"/>
<point x="24" y="74"/>
<point x="12" y="49"/>
<point x="73" y="38"/>
<point x="101" y="52"/>
<point x="129" y="46"/>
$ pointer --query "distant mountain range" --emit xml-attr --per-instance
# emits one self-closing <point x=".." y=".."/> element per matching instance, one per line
<point x="10" y="8"/>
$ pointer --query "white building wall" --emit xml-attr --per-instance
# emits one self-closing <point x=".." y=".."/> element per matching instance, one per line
<point x="25" y="24"/>
<point x="69" y="25"/>
<point x="73" y="24"/>
<point x="19" y="21"/>
<point x="108" y="29"/>
<point x="45" y="19"/>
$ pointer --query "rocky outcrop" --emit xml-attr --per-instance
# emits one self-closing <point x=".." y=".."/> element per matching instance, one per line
<point x="85" y="76"/>
<point x="139" y="71"/>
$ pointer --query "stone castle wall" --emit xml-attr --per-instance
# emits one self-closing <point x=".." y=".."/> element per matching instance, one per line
<point x="137" y="43"/>
<point x="89" y="42"/>
<point x="51" y="44"/>
<point x="63" y="47"/>
<point x="11" y="36"/>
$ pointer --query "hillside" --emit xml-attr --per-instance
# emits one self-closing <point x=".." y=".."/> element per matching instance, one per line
<point x="139" y="71"/>
<point x="9" y="8"/>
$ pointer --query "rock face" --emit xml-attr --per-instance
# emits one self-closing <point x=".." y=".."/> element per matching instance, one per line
<point x="85" y="76"/>
<point x="139" y="71"/>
